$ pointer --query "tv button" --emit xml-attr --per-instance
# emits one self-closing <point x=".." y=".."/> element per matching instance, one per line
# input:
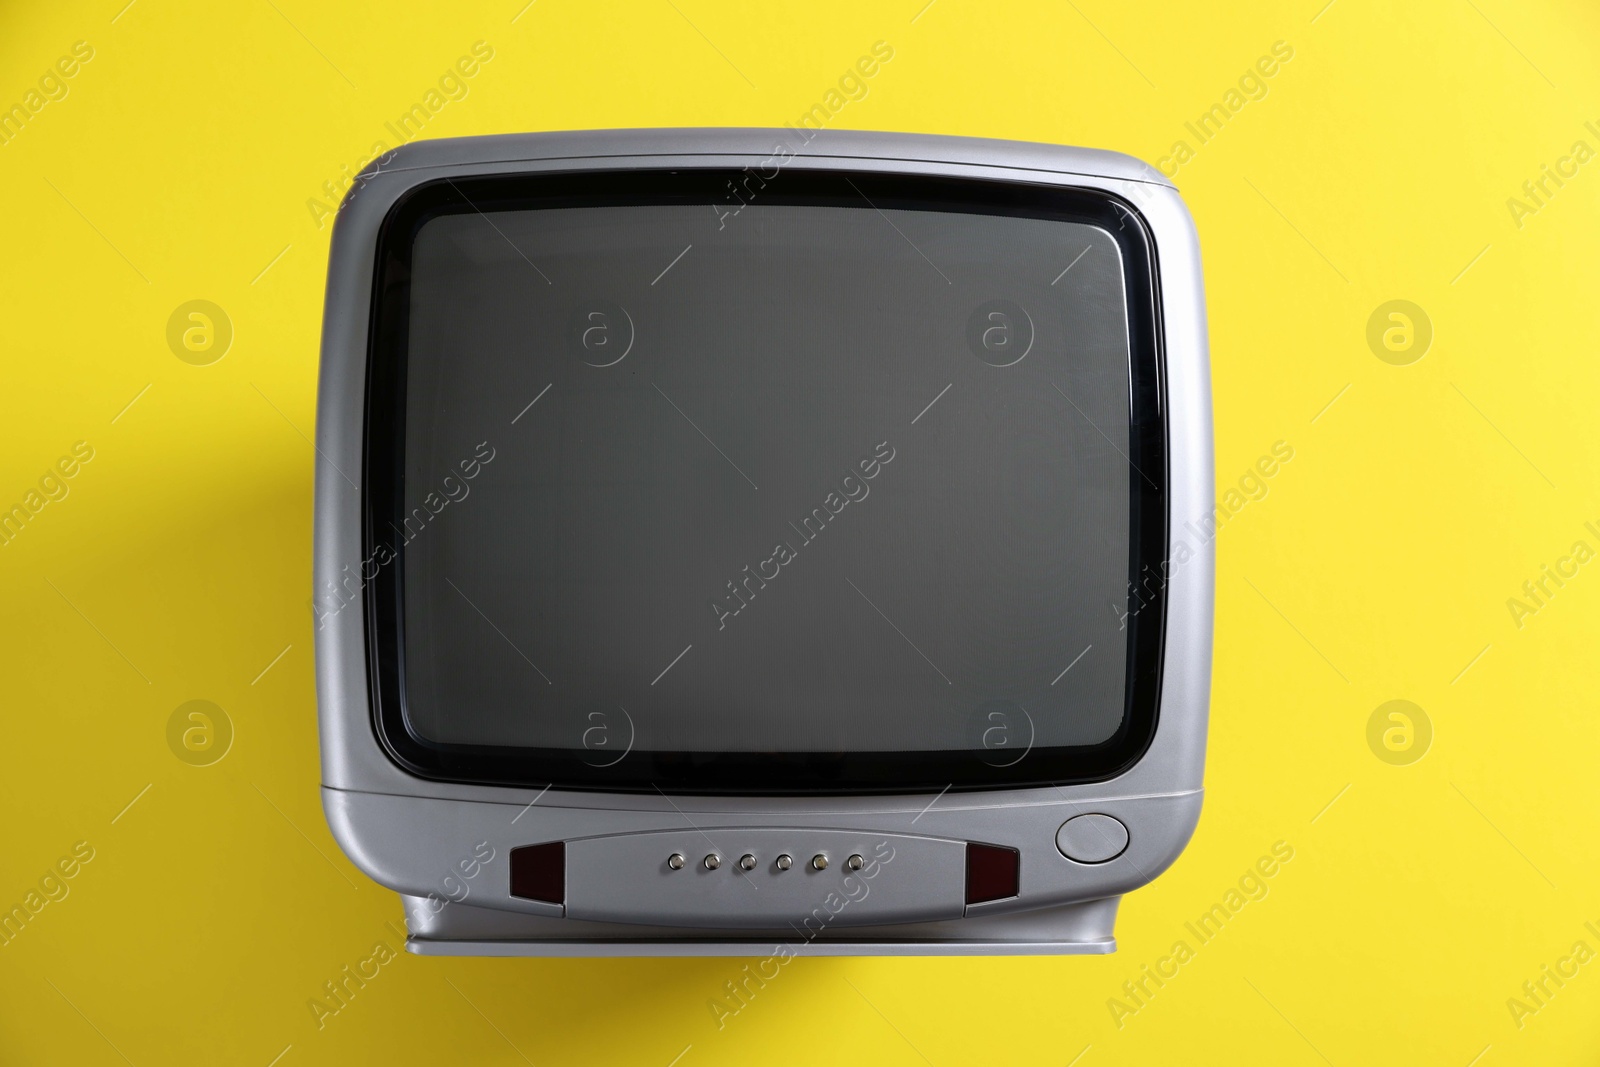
<point x="1092" y="838"/>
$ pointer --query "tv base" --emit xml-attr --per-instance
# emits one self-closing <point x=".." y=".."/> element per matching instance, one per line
<point x="462" y="930"/>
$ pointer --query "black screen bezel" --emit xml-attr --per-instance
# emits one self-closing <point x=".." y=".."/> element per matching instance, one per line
<point x="748" y="773"/>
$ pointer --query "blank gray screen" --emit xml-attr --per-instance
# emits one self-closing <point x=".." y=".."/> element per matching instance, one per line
<point x="799" y="479"/>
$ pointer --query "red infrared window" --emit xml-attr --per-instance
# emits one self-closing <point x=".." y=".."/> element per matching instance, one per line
<point x="539" y="872"/>
<point x="992" y="872"/>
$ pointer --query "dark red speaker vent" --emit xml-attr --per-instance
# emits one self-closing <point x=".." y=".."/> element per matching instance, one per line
<point x="539" y="872"/>
<point x="992" y="872"/>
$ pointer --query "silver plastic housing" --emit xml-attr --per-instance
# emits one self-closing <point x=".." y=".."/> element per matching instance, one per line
<point x="420" y="837"/>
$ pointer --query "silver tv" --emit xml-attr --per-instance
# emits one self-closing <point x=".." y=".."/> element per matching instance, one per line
<point x="761" y="542"/>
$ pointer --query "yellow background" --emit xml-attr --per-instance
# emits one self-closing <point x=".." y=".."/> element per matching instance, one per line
<point x="1377" y="167"/>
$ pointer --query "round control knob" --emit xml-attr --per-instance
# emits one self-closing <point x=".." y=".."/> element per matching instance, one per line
<point x="819" y="862"/>
<point x="713" y="861"/>
<point x="1092" y="838"/>
<point x="785" y="862"/>
<point x="675" y="861"/>
<point x="747" y="862"/>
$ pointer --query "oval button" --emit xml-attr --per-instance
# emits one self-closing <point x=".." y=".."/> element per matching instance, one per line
<point x="1092" y="838"/>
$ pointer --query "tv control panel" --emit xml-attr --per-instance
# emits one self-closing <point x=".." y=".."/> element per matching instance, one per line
<point x="764" y="878"/>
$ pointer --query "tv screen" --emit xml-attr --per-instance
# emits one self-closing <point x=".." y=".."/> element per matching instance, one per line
<point x="827" y="482"/>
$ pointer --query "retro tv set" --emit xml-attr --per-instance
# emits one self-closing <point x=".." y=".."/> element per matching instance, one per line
<point x="762" y="541"/>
